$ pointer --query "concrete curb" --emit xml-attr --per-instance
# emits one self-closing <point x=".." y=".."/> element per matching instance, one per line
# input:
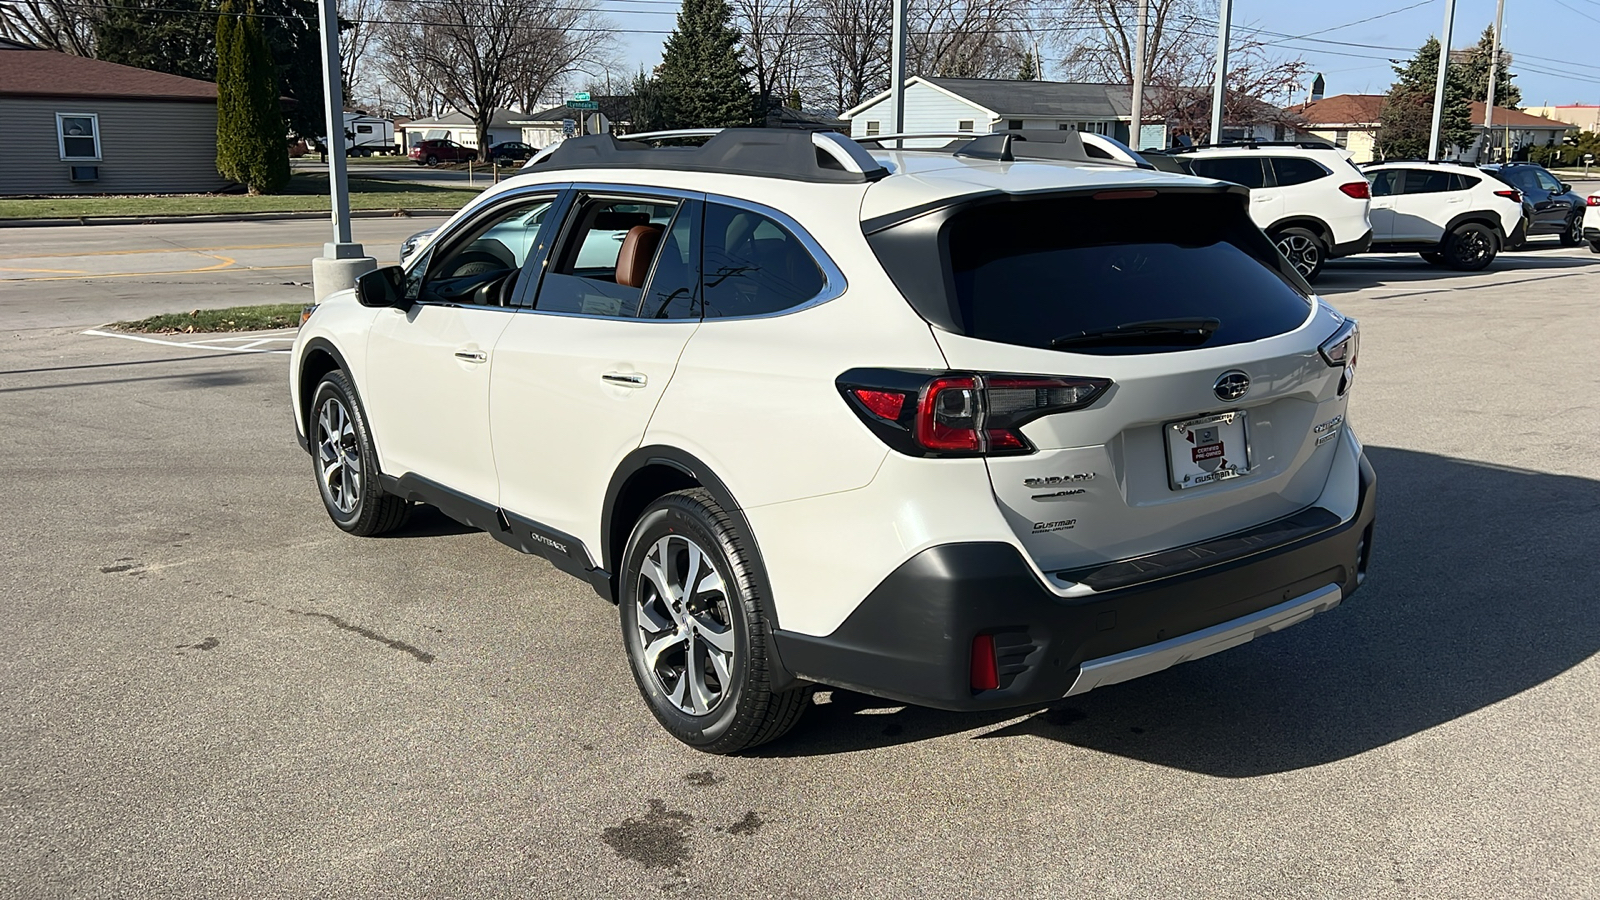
<point x="225" y="217"/>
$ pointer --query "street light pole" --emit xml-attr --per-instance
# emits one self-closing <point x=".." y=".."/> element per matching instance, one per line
<point x="1136" y="114"/>
<point x="897" y="68"/>
<point x="1438" y="87"/>
<point x="1224" y="25"/>
<point x="342" y="260"/>
<point x="1494" y="70"/>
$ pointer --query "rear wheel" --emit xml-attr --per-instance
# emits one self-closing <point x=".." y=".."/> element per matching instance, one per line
<point x="1572" y="236"/>
<point x="345" y="463"/>
<point x="432" y="160"/>
<point x="1470" y="247"/>
<point x="1303" y="249"/>
<point x="696" y="628"/>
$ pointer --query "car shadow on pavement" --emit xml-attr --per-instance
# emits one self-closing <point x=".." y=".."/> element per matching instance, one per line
<point x="1482" y="586"/>
<point x="1343" y="276"/>
<point x="428" y="521"/>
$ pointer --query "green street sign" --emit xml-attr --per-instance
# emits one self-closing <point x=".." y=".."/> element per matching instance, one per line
<point x="581" y="95"/>
<point x="582" y="104"/>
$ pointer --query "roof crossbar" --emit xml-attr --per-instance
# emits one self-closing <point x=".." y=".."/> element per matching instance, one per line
<point x="813" y="156"/>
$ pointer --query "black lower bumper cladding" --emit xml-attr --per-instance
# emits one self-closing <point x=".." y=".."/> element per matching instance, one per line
<point x="911" y="639"/>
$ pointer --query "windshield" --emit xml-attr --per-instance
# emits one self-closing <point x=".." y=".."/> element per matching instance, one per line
<point x="1031" y="272"/>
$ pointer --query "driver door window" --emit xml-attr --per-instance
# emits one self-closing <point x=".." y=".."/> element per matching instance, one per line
<point x="482" y="264"/>
<point x="607" y="256"/>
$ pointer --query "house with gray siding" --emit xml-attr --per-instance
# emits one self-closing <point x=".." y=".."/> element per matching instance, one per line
<point x="83" y="126"/>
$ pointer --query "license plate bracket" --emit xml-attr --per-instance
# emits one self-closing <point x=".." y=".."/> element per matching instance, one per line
<point x="1207" y="450"/>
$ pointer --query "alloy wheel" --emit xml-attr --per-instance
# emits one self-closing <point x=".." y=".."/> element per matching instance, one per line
<point x="1300" y="251"/>
<point x="338" y="456"/>
<point x="1471" y="247"/>
<point x="685" y="625"/>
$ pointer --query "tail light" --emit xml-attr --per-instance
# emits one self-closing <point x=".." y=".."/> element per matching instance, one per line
<point x="1594" y="199"/>
<point x="1515" y="196"/>
<point x="1342" y="350"/>
<point x="1357" y="189"/>
<point x="960" y="413"/>
<point x="985" y="673"/>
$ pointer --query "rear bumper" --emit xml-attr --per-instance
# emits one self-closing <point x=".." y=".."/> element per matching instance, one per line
<point x="1359" y="245"/>
<point x="1518" y="234"/>
<point x="911" y="639"/>
<point x="1590" y="233"/>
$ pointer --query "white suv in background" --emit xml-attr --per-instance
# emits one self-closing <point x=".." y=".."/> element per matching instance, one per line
<point x="934" y="425"/>
<point x="1308" y="197"/>
<point x="1454" y="215"/>
<point x="1591" y="222"/>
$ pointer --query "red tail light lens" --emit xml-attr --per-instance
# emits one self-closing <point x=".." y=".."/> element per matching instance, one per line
<point x="960" y="414"/>
<point x="1594" y="199"/>
<point x="985" y="674"/>
<point x="1357" y="189"/>
<point x="1515" y="196"/>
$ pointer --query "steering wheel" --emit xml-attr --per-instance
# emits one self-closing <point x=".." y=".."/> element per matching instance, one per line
<point x="496" y="291"/>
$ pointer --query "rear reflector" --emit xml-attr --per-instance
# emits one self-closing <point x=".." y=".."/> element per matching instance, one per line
<point x="985" y="675"/>
<point x="886" y="404"/>
<point x="1357" y="189"/>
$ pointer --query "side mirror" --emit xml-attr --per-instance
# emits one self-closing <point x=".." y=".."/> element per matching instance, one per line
<point x="1566" y="188"/>
<point x="383" y="287"/>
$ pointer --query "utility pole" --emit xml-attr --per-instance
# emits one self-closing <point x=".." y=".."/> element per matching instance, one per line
<point x="1224" y="25"/>
<point x="1136" y="115"/>
<point x="342" y="260"/>
<point x="897" y="68"/>
<point x="1494" y="70"/>
<point x="1438" y="87"/>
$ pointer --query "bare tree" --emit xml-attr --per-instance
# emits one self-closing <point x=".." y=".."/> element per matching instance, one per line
<point x="851" y="51"/>
<point x="66" y="26"/>
<point x="777" y="35"/>
<point x="489" y="54"/>
<point x="356" y="36"/>
<point x="966" y="38"/>
<point x="401" y="77"/>
<point x="1099" y="40"/>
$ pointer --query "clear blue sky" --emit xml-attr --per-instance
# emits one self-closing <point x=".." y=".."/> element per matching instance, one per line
<point x="1553" y="41"/>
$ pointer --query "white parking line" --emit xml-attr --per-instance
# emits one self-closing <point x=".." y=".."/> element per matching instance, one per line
<point x="208" y="344"/>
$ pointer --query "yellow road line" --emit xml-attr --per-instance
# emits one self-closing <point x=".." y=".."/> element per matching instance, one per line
<point x="225" y="263"/>
<point x="57" y="271"/>
<point x="161" y="250"/>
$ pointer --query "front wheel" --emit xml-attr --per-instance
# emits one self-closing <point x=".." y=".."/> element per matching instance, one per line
<point x="345" y="463"/>
<point x="1572" y="236"/>
<point x="696" y="628"/>
<point x="1303" y="249"/>
<point x="1470" y="247"/>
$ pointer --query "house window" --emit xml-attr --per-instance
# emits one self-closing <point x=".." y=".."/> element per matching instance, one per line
<point x="874" y="129"/>
<point x="1341" y="137"/>
<point x="1014" y="124"/>
<point x="1064" y="126"/>
<point x="363" y="129"/>
<point x="964" y="125"/>
<point x="78" y="135"/>
<point x="1095" y="127"/>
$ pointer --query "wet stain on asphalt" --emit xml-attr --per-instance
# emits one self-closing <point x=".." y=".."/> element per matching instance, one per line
<point x="750" y="824"/>
<point x="659" y="839"/>
<point x="125" y="564"/>
<point x="703" y="779"/>
<point x="209" y="643"/>
<point x="422" y="656"/>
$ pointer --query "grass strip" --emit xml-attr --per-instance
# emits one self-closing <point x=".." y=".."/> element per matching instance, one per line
<point x="234" y="318"/>
<point x="307" y="191"/>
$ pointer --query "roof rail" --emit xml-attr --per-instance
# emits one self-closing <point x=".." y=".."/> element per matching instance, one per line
<point x="1252" y="145"/>
<point x="815" y="156"/>
<point x="1011" y="145"/>
<point x="1432" y="162"/>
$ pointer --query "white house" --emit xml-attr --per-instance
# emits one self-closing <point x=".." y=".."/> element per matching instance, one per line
<point x="548" y="127"/>
<point x="459" y="127"/>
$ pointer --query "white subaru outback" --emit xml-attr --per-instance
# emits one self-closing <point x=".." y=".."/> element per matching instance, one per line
<point x="965" y="428"/>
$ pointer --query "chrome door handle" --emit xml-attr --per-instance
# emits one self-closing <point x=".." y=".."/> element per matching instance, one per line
<point x="626" y="379"/>
<point x="472" y="355"/>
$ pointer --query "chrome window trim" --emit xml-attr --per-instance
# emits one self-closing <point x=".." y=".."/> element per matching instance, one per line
<point x="834" y="284"/>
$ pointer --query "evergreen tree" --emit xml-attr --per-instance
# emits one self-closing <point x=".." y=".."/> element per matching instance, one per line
<point x="1029" y="69"/>
<point x="172" y="36"/>
<point x="645" y="104"/>
<point x="252" y="139"/>
<point x="1506" y="94"/>
<point x="702" y="78"/>
<point x="1407" y="116"/>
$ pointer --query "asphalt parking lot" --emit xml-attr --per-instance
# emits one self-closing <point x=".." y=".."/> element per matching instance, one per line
<point x="211" y="691"/>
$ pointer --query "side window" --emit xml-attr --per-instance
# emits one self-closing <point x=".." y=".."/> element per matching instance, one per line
<point x="481" y="262"/>
<point x="1293" y="170"/>
<point x="1386" y="182"/>
<point x="1547" y="181"/>
<point x="753" y="265"/>
<point x="1427" y="181"/>
<point x="607" y="256"/>
<point x="674" y="289"/>
<point x="1524" y="179"/>
<point x="1245" y="170"/>
<point x="1459" y="182"/>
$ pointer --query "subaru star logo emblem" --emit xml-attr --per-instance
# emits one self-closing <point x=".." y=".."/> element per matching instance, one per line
<point x="1232" y="385"/>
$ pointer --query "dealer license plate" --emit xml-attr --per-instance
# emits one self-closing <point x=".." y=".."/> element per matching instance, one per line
<point x="1207" y="450"/>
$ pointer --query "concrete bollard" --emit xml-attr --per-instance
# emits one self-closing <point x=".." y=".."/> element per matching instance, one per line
<point x="338" y="268"/>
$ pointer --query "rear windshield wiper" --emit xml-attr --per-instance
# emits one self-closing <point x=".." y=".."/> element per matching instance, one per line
<point x="1157" y="331"/>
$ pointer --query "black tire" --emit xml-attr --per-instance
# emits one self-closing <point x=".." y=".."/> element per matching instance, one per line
<point x="1303" y="249"/>
<point x="745" y="711"/>
<point x="1471" y="247"/>
<point x="1572" y="235"/>
<point x="357" y="504"/>
<point x="431" y="160"/>
<point x="1433" y="256"/>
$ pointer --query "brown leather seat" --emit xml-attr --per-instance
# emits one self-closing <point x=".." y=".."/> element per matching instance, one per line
<point x="638" y="251"/>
